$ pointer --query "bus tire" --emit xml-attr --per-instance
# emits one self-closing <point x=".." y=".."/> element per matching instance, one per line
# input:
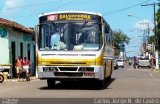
<point x="108" y="78"/>
<point x="1" y="78"/>
<point x="102" y="84"/>
<point x="51" y="83"/>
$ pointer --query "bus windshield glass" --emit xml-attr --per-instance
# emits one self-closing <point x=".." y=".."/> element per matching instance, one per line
<point x="76" y="36"/>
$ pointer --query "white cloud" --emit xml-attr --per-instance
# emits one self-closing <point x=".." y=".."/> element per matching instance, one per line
<point x="9" y="10"/>
<point x="10" y="4"/>
<point x="144" y="25"/>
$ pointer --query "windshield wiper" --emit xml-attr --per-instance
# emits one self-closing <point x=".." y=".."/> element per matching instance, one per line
<point x="57" y="27"/>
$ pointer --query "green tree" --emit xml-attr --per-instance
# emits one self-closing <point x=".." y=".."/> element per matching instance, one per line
<point x="120" y="39"/>
<point x="156" y="38"/>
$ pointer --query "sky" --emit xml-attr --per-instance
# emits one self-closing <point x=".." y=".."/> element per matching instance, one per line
<point x="115" y="12"/>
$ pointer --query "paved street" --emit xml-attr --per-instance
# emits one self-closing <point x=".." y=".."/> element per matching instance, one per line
<point x="127" y="82"/>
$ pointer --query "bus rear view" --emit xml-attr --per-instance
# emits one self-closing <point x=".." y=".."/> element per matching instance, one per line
<point x="71" y="46"/>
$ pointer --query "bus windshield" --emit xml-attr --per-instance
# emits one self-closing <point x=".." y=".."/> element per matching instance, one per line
<point x="77" y="36"/>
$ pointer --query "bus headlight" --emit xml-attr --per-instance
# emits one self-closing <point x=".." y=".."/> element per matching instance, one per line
<point x="47" y="69"/>
<point x="86" y="69"/>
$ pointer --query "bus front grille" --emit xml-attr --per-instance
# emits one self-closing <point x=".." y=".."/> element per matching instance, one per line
<point x="68" y="63"/>
<point x="68" y="68"/>
<point x="68" y="74"/>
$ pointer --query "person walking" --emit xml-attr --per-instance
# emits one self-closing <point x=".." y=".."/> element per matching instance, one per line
<point x="152" y="59"/>
<point x="134" y="62"/>
<point x="26" y="66"/>
<point x="18" y="67"/>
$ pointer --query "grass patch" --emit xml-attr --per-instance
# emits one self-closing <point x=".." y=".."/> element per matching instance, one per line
<point x="158" y="70"/>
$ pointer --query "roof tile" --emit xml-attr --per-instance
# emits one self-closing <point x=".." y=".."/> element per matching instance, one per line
<point x="5" y="22"/>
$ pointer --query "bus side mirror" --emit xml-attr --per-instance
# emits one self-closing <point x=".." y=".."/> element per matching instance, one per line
<point x="36" y="33"/>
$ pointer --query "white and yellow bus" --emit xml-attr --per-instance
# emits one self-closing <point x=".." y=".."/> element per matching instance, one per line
<point x="74" y="45"/>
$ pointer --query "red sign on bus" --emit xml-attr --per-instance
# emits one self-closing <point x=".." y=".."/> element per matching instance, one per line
<point x="52" y="17"/>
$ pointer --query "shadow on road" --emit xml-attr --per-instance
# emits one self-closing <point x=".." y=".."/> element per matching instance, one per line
<point x="80" y="85"/>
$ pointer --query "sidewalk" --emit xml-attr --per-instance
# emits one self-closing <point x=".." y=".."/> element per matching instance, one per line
<point x="20" y="80"/>
<point x="156" y="72"/>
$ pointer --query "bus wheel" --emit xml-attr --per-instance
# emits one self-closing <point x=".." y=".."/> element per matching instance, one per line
<point x="50" y="83"/>
<point x="1" y="78"/>
<point x="102" y="84"/>
<point x="108" y="78"/>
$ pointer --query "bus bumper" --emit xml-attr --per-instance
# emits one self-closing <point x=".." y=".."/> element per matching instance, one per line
<point x="57" y="72"/>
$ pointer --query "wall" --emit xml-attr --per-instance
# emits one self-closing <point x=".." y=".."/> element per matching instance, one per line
<point x="4" y="49"/>
<point x="28" y="46"/>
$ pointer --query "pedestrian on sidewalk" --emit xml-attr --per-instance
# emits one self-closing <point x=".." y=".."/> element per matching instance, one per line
<point x="152" y="59"/>
<point x="18" y="67"/>
<point x="26" y="66"/>
<point x="135" y="62"/>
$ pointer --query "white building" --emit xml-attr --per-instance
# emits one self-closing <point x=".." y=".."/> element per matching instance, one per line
<point x="15" y="40"/>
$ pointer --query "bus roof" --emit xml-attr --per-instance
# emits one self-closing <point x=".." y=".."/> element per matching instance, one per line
<point x="44" y="14"/>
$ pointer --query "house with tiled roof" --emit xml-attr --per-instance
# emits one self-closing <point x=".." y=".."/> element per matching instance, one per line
<point x="15" y="40"/>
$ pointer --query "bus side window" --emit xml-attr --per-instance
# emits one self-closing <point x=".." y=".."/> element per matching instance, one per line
<point x="112" y="39"/>
<point x="106" y="35"/>
<point x="105" y="38"/>
<point x="108" y="39"/>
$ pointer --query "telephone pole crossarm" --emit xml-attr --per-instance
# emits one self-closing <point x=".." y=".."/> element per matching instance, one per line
<point x="154" y="9"/>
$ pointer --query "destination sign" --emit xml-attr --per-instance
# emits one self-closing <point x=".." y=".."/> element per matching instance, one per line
<point x="68" y="17"/>
<point x="74" y="17"/>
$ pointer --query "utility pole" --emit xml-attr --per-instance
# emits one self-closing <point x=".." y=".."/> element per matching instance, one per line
<point x="145" y="33"/>
<point x="154" y="9"/>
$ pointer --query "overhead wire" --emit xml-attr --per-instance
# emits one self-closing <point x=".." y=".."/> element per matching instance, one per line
<point x="31" y="5"/>
<point x="44" y="11"/>
<point x="126" y="8"/>
<point x="106" y="13"/>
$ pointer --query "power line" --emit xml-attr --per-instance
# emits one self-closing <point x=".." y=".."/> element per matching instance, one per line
<point x="31" y="5"/>
<point x="123" y="9"/>
<point x="154" y="10"/>
<point x="61" y="6"/>
<point x="154" y="15"/>
<point x="43" y="11"/>
<point x="108" y="13"/>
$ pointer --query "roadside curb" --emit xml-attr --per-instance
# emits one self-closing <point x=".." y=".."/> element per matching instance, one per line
<point x="20" y="80"/>
<point x="156" y="70"/>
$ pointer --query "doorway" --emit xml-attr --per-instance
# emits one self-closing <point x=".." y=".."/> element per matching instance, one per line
<point x="28" y="52"/>
<point x="21" y="50"/>
<point x="13" y="56"/>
